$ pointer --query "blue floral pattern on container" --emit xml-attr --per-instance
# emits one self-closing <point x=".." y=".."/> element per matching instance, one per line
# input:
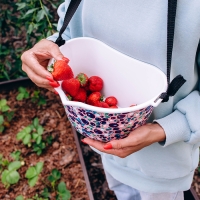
<point x="105" y="126"/>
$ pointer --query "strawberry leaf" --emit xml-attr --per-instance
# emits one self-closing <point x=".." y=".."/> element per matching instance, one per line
<point x="39" y="167"/>
<point x="15" y="165"/>
<point x="31" y="172"/>
<point x="12" y="177"/>
<point x="32" y="181"/>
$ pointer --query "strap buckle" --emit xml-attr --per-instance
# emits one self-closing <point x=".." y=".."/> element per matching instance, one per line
<point x="173" y="87"/>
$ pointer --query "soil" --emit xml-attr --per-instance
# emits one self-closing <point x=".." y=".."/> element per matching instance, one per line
<point x="196" y="182"/>
<point x="96" y="174"/>
<point x="61" y="154"/>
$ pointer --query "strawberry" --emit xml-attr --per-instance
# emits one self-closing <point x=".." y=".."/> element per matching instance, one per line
<point x="61" y="70"/>
<point x="68" y="96"/>
<point x="81" y="95"/>
<point x="111" y="101"/>
<point x="65" y="59"/>
<point x="103" y="104"/>
<point x="94" y="98"/>
<point x="83" y="78"/>
<point x="113" y="107"/>
<point x="95" y="84"/>
<point x="71" y="86"/>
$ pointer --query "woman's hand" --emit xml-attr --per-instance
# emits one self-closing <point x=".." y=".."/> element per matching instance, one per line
<point x="137" y="139"/>
<point x="35" y="60"/>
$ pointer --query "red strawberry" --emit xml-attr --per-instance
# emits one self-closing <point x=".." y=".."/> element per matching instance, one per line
<point x="94" y="98"/>
<point x="103" y="104"/>
<point x="111" y="101"/>
<point x="95" y="84"/>
<point x="83" y="78"/>
<point x="71" y="86"/>
<point x="65" y="59"/>
<point x="81" y="95"/>
<point x="113" y="107"/>
<point x="61" y="70"/>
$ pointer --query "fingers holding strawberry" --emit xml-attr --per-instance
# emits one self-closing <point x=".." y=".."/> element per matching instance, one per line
<point x="60" y="70"/>
<point x="35" y="61"/>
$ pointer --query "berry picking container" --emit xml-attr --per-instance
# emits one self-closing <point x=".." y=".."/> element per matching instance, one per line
<point x="129" y="80"/>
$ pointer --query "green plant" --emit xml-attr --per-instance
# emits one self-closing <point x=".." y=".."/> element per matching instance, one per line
<point x="10" y="175"/>
<point x="1" y="123"/>
<point x="53" y="177"/>
<point x="33" y="173"/>
<point x="3" y="163"/>
<point x="6" y="115"/>
<point x="33" y="131"/>
<point x="45" y="193"/>
<point x="49" y="139"/>
<point x="25" y="135"/>
<point x="23" y="94"/>
<point x="37" y="131"/>
<point x="62" y="192"/>
<point x="31" y="135"/>
<point x="38" y="148"/>
<point x="28" y="21"/>
<point x="3" y="105"/>
<point x="37" y="98"/>
<point x="35" y="12"/>
<point x="36" y="197"/>
<point x="15" y="155"/>
<point x="20" y="197"/>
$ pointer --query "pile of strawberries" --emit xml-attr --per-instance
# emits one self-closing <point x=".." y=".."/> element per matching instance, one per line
<point x="81" y="87"/>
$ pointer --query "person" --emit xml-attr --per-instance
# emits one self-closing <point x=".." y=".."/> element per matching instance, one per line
<point x="157" y="160"/>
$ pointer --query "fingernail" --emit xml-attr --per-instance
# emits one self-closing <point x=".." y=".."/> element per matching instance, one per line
<point x="55" y="92"/>
<point x="65" y="59"/>
<point x="49" y="78"/>
<point x="108" y="146"/>
<point x="54" y="84"/>
<point x="83" y="141"/>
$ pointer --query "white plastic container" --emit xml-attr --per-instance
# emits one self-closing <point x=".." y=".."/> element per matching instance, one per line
<point x="129" y="80"/>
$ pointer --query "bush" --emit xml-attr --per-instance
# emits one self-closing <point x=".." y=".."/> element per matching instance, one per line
<point x="23" y="23"/>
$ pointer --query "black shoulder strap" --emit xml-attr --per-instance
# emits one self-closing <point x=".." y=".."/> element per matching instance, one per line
<point x="178" y="81"/>
<point x="69" y="14"/>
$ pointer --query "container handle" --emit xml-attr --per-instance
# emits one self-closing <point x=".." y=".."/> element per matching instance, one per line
<point x="156" y="102"/>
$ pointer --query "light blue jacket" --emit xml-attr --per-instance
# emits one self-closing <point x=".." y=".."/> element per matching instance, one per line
<point x="138" y="29"/>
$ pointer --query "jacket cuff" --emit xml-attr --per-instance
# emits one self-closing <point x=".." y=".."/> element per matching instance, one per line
<point x="176" y="128"/>
<point x="53" y="37"/>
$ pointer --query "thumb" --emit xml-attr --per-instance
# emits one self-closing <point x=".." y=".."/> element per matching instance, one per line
<point x="118" y="144"/>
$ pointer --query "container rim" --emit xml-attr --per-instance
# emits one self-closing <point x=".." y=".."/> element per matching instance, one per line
<point x="154" y="101"/>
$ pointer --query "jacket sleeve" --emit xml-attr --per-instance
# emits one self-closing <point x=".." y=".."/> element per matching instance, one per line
<point x="183" y="124"/>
